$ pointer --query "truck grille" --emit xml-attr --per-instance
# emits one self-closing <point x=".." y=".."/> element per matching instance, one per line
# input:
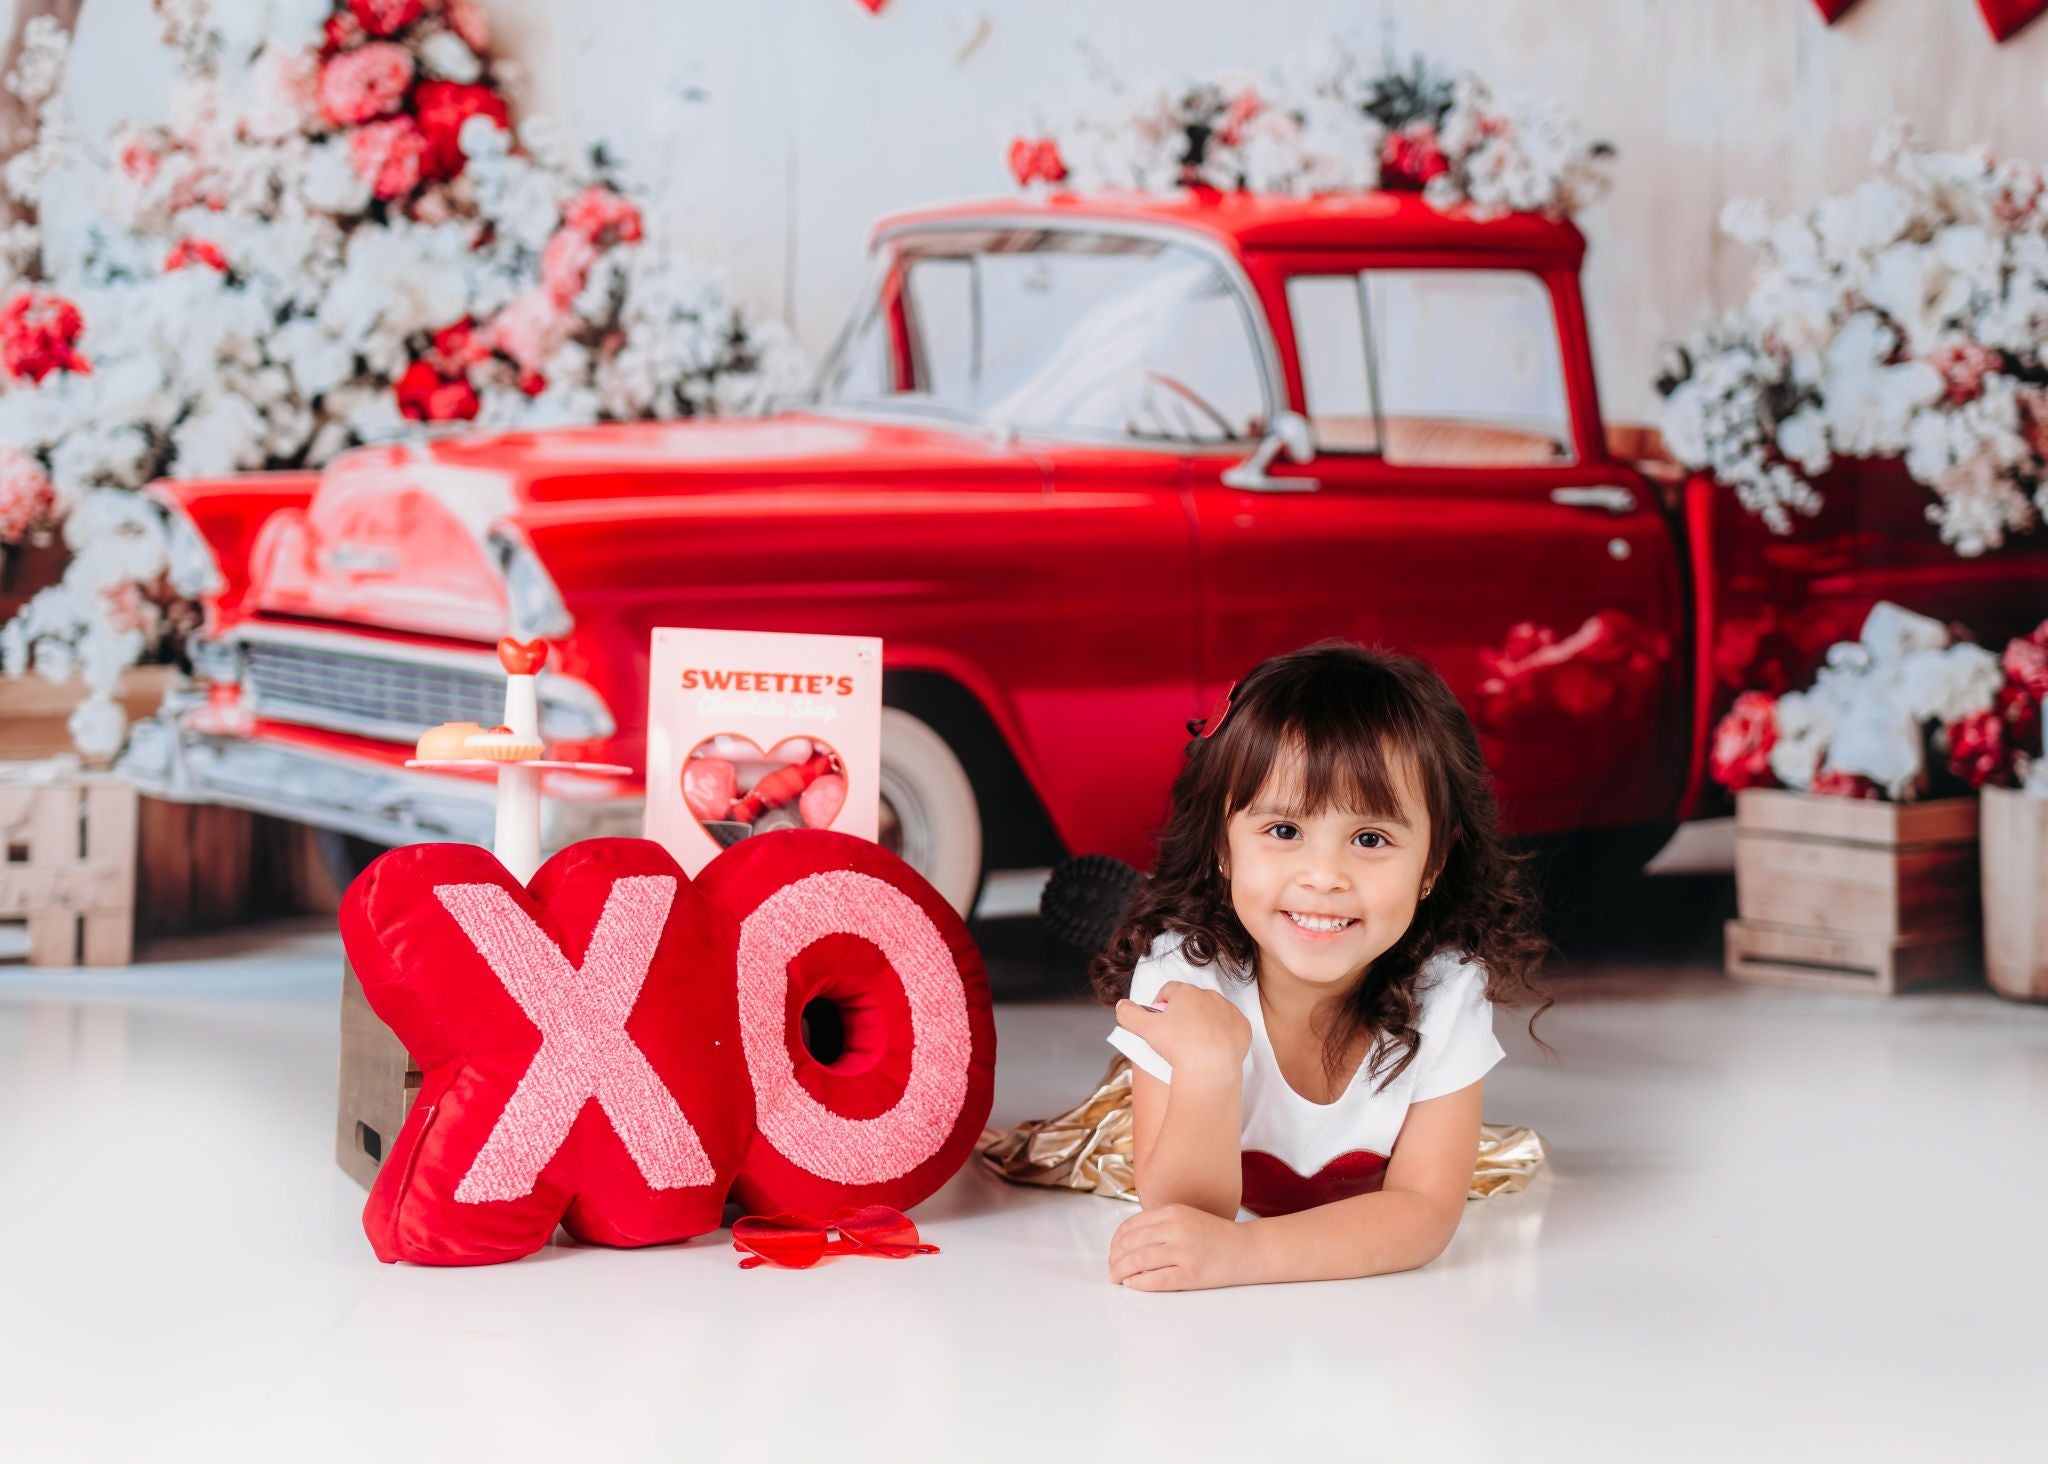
<point x="364" y="694"/>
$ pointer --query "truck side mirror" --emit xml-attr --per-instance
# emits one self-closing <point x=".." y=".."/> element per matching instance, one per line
<point x="1289" y="433"/>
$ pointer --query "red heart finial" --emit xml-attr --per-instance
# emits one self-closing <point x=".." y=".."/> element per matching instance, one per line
<point x="1833" y="10"/>
<point x="2007" y="18"/>
<point x="522" y="658"/>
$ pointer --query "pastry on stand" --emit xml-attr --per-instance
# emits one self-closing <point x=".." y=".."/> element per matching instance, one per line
<point x="514" y="751"/>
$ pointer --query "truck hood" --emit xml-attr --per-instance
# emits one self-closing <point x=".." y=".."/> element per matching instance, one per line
<point x="402" y="536"/>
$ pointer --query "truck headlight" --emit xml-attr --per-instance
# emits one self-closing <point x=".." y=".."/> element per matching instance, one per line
<point x="537" y="608"/>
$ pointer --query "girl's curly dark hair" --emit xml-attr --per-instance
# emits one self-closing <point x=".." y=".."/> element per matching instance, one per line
<point x="1352" y="716"/>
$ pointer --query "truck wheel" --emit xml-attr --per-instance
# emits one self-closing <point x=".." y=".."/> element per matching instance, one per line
<point x="929" y="815"/>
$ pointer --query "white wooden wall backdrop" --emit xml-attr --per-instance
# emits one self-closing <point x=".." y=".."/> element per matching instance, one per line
<point x="778" y="130"/>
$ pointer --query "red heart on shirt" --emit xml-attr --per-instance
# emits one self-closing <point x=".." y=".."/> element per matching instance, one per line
<point x="1274" y="1187"/>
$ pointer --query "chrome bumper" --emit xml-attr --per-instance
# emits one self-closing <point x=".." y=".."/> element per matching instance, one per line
<point x="369" y="799"/>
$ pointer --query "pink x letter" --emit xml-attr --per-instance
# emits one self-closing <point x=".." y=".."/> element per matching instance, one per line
<point x="584" y="1049"/>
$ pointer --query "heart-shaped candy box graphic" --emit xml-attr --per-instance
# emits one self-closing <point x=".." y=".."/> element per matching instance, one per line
<point x="734" y="789"/>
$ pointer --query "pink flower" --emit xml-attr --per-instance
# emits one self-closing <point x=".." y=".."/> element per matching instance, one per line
<point x="26" y="498"/>
<point x="565" y="264"/>
<point x="2026" y="666"/>
<point x="367" y="82"/>
<point x="385" y="17"/>
<point x="425" y="395"/>
<point x="196" y="251"/>
<point x="1837" y="784"/>
<point x="1412" y="156"/>
<point x="1963" y="366"/>
<point x="1246" y="105"/>
<point x="529" y="329"/>
<point x="39" y="334"/>
<point x="1741" y="753"/>
<point x="387" y="155"/>
<point x="466" y="19"/>
<point x="443" y="106"/>
<point x="1036" y="162"/>
<point x="140" y="162"/>
<point x="603" y="217"/>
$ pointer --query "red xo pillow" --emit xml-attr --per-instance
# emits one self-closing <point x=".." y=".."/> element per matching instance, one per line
<point x="614" y="1049"/>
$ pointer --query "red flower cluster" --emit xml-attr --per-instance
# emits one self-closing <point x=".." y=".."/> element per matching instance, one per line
<point x="1833" y="783"/>
<point x="39" y="334"/>
<point x="196" y="251"/>
<point x="385" y="17"/>
<point x="425" y="395"/>
<point x="443" y="106"/>
<point x="1741" y="752"/>
<point x="1985" y="749"/>
<point x="1412" y="156"/>
<point x="603" y="217"/>
<point x="1602" y="669"/>
<point x="1036" y="161"/>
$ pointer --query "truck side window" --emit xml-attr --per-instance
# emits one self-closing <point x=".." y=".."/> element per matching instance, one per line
<point x="1462" y="366"/>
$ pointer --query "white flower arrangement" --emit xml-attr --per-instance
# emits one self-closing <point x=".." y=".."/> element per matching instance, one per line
<point x="1334" y="128"/>
<point x="334" y="235"/>
<point x="1904" y="319"/>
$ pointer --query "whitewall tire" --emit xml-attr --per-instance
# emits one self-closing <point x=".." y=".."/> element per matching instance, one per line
<point x="929" y="813"/>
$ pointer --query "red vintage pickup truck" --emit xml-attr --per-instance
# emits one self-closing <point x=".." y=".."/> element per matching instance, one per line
<point x="1079" y="461"/>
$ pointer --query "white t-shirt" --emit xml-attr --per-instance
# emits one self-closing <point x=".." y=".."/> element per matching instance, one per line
<point x="1298" y="1153"/>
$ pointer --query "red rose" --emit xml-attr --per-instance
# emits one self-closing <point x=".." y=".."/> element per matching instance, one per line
<point x="385" y="17"/>
<point x="196" y="251"/>
<point x="1741" y="753"/>
<point x="2026" y="665"/>
<point x="1963" y="365"/>
<point x="425" y="395"/>
<point x="1412" y="156"/>
<point x="457" y="347"/>
<point x="532" y="383"/>
<point x="367" y="82"/>
<point x="342" y="32"/>
<point x="1037" y="162"/>
<point x="388" y="156"/>
<point x="602" y="216"/>
<point x="2020" y="712"/>
<point x="1837" y="784"/>
<point x="140" y="162"/>
<point x="39" y="334"/>
<point x="442" y="107"/>
<point x="27" y="501"/>
<point x="1978" y="751"/>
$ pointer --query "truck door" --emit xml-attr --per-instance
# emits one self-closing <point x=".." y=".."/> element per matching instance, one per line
<point x="1460" y="507"/>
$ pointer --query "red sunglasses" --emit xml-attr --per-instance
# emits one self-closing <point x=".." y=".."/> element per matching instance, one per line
<point x="797" y="1242"/>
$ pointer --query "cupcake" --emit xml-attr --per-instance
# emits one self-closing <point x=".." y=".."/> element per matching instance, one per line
<point x="449" y="740"/>
<point x="502" y="744"/>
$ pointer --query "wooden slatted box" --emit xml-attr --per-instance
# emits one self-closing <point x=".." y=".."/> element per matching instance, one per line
<point x="1853" y="894"/>
<point x="67" y="867"/>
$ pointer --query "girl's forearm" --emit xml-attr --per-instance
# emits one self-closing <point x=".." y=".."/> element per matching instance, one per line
<point x="1367" y="1235"/>
<point x="1196" y="1159"/>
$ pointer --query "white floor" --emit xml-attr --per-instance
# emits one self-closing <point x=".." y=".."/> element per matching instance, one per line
<point x="1778" y="1226"/>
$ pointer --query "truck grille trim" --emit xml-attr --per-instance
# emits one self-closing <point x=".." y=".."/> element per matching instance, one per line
<point x="366" y="695"/>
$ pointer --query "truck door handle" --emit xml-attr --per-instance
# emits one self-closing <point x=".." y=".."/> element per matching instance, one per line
<point x="1614" y="499"/>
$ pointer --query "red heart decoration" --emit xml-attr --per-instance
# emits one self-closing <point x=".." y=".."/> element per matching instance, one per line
<point x="522" y="658"/>
<point x="1833" y="10"/>
<point x="1274" y="1187"/>
<point x="2007" y="18"/>
<point x="733" y="788"/>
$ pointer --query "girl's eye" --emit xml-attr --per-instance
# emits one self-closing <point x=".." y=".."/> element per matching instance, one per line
<point x="1283" y="830"/>
<point x="1379" y="840"/>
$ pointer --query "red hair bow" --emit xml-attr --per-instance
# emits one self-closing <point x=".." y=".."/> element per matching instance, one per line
<point x="1213" y="723"/>
<point x="798" y="1242"/>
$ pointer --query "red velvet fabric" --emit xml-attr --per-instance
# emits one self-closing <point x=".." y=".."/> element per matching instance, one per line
<point x="894" y="1115"/>
<point x="585" y="1061"/>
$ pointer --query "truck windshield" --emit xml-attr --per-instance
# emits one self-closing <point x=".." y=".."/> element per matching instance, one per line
<point x="1056" y="331"/>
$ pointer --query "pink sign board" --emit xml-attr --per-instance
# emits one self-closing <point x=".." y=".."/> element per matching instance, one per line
<point x="752" y="731"/>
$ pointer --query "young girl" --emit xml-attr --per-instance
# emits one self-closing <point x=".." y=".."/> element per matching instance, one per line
<point x="1308" y="980"/>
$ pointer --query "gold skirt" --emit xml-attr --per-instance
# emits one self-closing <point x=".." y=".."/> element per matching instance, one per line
<point x="1088" y="1148"/>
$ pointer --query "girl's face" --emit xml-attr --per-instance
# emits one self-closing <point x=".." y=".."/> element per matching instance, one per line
<point x="1325" y="894"/>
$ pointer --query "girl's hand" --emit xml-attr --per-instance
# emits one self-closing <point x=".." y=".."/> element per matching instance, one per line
<point x="1196" y="1028"/>
<point x="1180" y="1248"/>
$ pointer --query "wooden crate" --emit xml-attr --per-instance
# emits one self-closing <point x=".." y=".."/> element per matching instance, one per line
<point x="1854" y="894"/>
<point x="69" y="868"/>
<point x="378" y="1084"/>
<point x="2015" y="844"/>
